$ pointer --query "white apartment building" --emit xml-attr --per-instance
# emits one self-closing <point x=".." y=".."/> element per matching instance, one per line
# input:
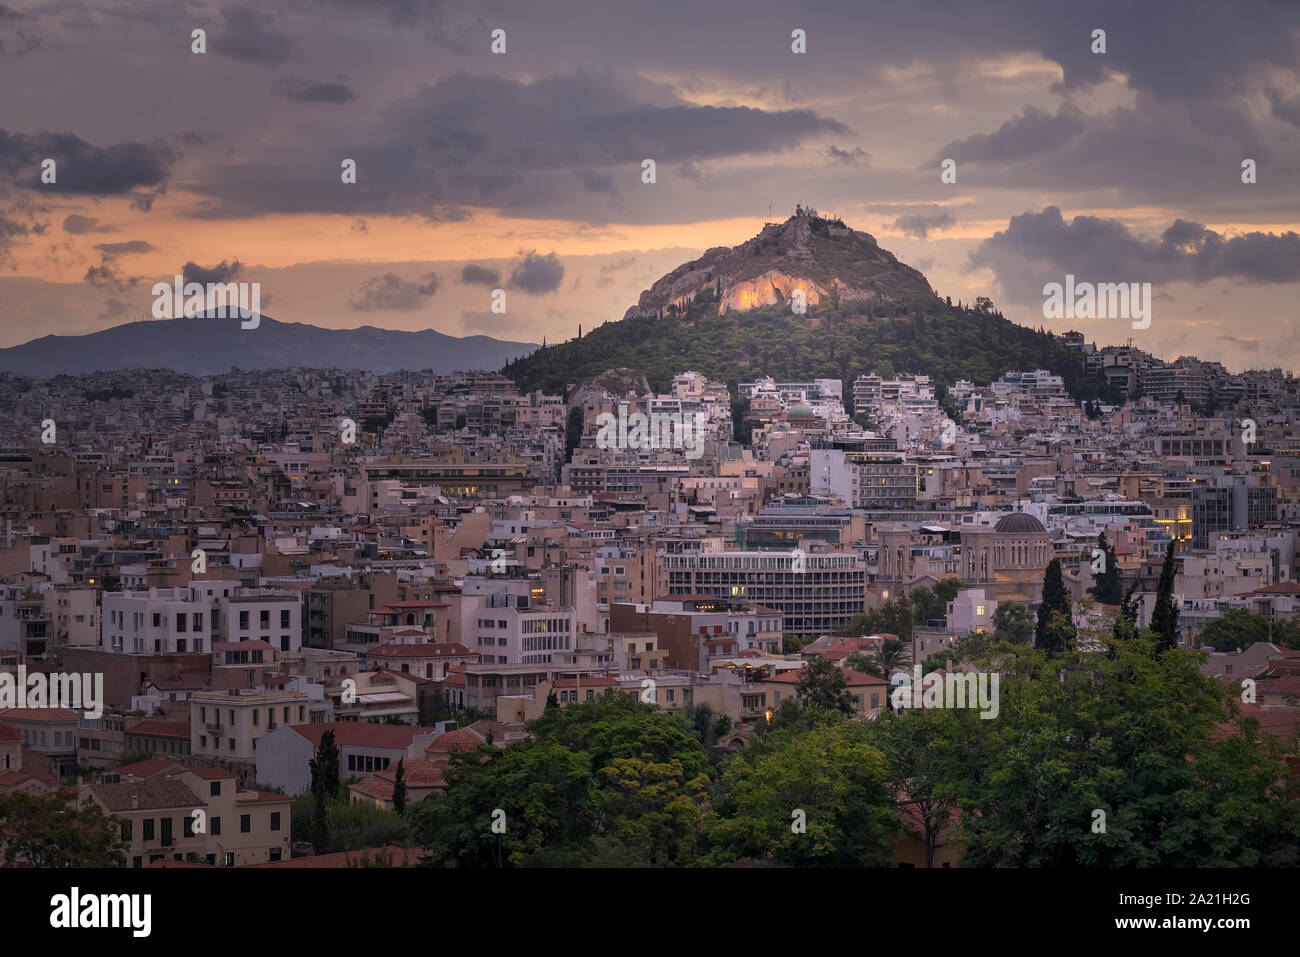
<point x="262" y="615"/>
<point x="159" y="621"/>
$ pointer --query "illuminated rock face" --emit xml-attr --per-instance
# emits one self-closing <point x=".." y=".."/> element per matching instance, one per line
<point x="825" y="258"/>
<point x="770" y="289"/>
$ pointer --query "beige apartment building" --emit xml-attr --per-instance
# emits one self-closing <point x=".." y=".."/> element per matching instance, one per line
<point x="228" y="724"/>
<point x="194" y="815"/>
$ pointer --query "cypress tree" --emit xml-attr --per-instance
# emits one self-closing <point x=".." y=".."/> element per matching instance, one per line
<point x="1052" y="632"/>
<point x="399" y="788"/>
<point x="1164" y="620"/>
<point x="1108" y="588"/>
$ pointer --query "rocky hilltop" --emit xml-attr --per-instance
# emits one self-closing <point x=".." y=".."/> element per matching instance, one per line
<point x="827" y="259"/>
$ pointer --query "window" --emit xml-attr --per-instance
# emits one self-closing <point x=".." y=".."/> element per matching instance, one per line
<point x="157" y="619"/>
<point x="243" y="621"/>
<point x="180" y="621"/>
<point x="352" y="762"/>
<point x="126" y="833"/>
<point x="216" y="826"/>
<point x="275" y="820"/>
<point x="146" y="830"/>
<point x="284" y="618"/>
<point x="245" y="823"/>
<point x="264" y="619"/>
<point x="198" y="621"/>
<point x="214" y="789"/>
<point x="232" y="743"/>
<point x="187" y="826"/>
<point x="167" y="831"/>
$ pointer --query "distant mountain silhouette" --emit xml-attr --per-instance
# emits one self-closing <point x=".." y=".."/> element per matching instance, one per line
<point x="202" y="345"/>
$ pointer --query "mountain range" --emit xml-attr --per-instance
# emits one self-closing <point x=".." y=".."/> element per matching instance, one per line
<point x="203" y="345"/>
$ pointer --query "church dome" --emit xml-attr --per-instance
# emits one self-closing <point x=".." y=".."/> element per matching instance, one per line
<point x="1018" y="523"/>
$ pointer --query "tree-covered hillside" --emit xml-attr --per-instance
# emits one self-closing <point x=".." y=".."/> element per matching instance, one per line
<point x="933" y="337"/>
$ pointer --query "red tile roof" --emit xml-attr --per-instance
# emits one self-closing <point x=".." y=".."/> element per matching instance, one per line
<point x="360" y="734"/>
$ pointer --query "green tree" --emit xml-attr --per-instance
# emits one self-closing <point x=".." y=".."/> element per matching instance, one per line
<point x="806" y="798"/>
<point x="823" y="687"/>
<point x="921" y="747"/>
<point x="1237" y="629"/>
<point x="1013" y="622"/>
<point x="1164" y="618"/>
<point x="46" y="832"/>
<point x="1054" y="629"/>
<point x="1134" y="736"/>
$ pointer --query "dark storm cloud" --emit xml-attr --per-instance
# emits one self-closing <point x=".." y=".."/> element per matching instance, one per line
<point x="192" y="272"/>
<point x="390" y="292"/>
<point x="1035" y="245"/>
<point x="246" y="37"/>
<point x="920" y="222"/>
<point x="536" y="274"/>
<point x="122" y="249"/>
<point x="1033" y="131"/>
<point x="81" y="168"/>
<point x="303" y="92"/>
<point x="481" y="275"/>
<point x="495" y="141"/>
<point x="79" y="225"/>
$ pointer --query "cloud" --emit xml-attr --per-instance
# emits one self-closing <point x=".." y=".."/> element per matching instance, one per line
<point x="920" y="223"/>
<point x="123" y="249"/>
<point x="481" y="275"/>
<point x="192" y="272"/>
<point x="302" y="91"/>
<point x="1033" y="131"/>
<point x="79" y="225"/>
<point x="606" y="276"/>
<point x="495" y="324"/>
<point x="1036" y="247"/>
<point x="537" y="274"/>
<point x="390" y="292"/>
<point x="106" y="277"/>
<point x="854" y="157"/>
<point x="81" y="168"/>
<point x="554" y="146"/>
<point x="1246" y="345"/>
<point x="245" y="37"/>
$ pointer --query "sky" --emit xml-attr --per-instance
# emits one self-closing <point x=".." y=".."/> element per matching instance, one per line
<point x="522" y="170"/>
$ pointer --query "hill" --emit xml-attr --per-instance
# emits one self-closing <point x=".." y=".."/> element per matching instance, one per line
<point x="866" y="313"/>
<point x="832" y="263"/>
<point x="204" y="345"/>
